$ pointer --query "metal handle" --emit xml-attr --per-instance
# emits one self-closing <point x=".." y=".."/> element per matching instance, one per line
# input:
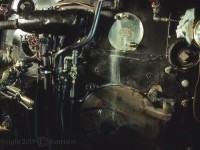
<point x="24" y="100"/>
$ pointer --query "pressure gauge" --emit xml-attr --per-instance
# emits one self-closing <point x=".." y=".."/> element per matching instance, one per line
<point x="127" y="32"/>
<point x="197" y="34"/>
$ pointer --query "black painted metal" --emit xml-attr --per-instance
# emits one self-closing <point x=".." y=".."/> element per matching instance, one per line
<point x="48" y="21"/>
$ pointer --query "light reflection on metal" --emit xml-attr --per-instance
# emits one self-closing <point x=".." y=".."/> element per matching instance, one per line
<point x="115" y="68"/>
<point x="197" y="34"/>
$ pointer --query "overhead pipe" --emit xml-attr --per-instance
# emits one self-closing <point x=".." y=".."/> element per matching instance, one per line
<point x="88" y="38"/>
<point x="155" y="4"/>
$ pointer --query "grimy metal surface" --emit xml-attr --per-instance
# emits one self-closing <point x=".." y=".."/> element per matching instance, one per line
<point x="114" y="110"/>
<point x="111" y="117"/>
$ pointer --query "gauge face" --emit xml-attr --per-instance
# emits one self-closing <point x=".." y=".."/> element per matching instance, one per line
<point x="197" y="34"/>
<point x="127" y="32"/>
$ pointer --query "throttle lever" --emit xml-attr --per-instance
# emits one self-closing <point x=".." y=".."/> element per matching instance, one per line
<point x="23" y="100"/>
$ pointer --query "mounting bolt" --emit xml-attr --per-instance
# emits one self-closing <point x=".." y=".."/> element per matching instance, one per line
<point x="168" y="69"/>
<point x="132" y="44"/>
<point x="184" y="103"/>
<point x="184" y="56"/>
<point x="185" y="83"/>
<point x="121" y="16"/>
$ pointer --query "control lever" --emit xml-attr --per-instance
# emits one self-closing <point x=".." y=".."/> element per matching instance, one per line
<point x="164" y="112"/>
<point x="17" y="94"/>
<point x="156" y="96"/>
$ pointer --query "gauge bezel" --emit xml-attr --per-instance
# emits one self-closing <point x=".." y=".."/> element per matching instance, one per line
<point x="194" y="34"/>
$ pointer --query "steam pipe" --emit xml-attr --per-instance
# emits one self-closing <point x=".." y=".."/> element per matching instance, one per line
<point x="47" y="21"/>
<point x="155" y="4"/>
<point x="88" y="38"/>
<point x="10" y="24"/>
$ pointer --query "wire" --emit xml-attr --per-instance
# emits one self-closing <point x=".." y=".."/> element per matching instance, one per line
<point x="195" y="97"/>
<point x="168" y="35"/>
<point x="36" y="119"/>
<point x="62" y="120"/>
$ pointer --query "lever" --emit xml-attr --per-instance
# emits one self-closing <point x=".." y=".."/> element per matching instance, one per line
<point x="17" y="94"/>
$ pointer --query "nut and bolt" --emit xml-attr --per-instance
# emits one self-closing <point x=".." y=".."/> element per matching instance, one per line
<point x="184" y="103"/>
<point x="185" y="83"/>
<point x="168" y="69"/>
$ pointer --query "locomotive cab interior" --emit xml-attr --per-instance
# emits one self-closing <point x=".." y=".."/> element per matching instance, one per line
<point x="99" y="74"/>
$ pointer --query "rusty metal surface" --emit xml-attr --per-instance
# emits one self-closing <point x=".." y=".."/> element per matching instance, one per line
<point x="113" y="108"/>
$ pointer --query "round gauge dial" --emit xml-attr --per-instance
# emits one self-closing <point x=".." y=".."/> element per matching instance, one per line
<point x="197" y="33"/>
<point x="127" y="32"/>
